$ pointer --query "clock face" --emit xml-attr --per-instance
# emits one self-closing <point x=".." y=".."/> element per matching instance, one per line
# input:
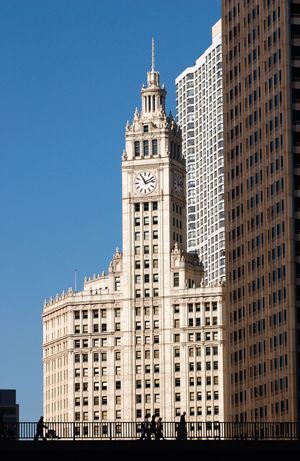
<point x="178" y="184"/>
<point x="145" y="182"/>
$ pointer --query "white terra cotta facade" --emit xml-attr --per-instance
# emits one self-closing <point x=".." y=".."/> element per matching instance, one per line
<point x="148" y="337"/>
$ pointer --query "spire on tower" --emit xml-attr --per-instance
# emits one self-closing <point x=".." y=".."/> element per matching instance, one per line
<point x="153" y="55"/>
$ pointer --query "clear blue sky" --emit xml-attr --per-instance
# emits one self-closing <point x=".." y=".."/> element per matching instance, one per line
<point x="71" y="74"/>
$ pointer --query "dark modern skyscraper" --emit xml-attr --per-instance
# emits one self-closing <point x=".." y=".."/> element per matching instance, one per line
<point x="261" y="78"/>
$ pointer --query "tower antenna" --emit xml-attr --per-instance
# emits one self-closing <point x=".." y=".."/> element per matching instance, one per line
<point x="153" y="55"/>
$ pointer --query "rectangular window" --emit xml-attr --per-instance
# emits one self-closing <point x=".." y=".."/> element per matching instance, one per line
<point x="117" y="284"/>
<point x="176" y="279"/>
<point x="176" y="352"/>
<point x="146" y="148"/>
<point x="137" y="148"/>
<point x="154" y="147"/>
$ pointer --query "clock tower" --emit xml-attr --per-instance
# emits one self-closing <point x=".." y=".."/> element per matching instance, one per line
<point x="153" y="193"/>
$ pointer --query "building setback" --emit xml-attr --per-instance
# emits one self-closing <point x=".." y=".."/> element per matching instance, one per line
<point x="261" y="79"/>
<point x="147" y="338"/>
<point x="199" y="107"/>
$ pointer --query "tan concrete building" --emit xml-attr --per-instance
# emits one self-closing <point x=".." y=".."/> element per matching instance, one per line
<point x="261" y="72"/>
<point x="147" y="338"/>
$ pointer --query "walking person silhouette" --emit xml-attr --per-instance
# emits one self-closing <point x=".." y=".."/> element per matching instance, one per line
<point x="182" y="433"/>
<point x="159" y="430"/>
<point x="144" y="428"/>
<point x="152" y="428"/>
<point x="40" y="429"/>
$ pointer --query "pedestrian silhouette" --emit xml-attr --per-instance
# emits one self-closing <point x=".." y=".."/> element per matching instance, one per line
<point x="182" y="433"/>
<point x="159" y="430"/>
<point x="40" y="429"/>
<point x="152" y="428"/>
<point x="144" y="428"/>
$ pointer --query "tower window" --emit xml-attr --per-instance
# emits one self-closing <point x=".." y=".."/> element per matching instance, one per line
<point x="176" y="279"/>
<point x="137" y="151"/>
<point x="146" y="128"/>
<point x="117" y="284"/>
<point x="154" y="147"/>
<point x="145" y="148"/>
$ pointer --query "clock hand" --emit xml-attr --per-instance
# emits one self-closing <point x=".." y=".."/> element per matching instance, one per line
<point x="149" y="180"/>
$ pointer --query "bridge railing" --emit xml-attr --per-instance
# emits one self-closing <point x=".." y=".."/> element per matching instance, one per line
<point x="133" y="430"/>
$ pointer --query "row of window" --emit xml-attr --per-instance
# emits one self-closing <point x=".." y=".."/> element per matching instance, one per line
<point x="196" y="337"/>
<point x="84" y="416"/>
<point x="146" y="293"/>
<point x="146" y="206"/>
<point x="146" y="235"/>
<point x="96" y="313"/>
<point x="78" y="329"/>
<point x="145" y="150"/>
<point x="146" y="265"/>
<point x="196" y="307"/>
<point x="146" y="220"/>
